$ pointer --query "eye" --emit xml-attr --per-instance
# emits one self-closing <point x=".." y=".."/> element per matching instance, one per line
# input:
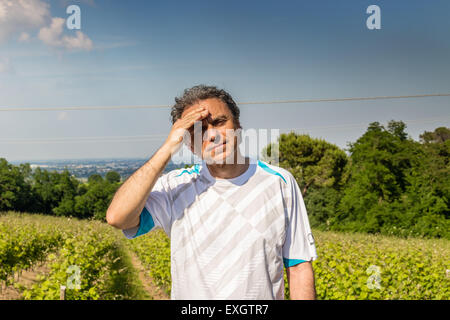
<point x="219" y="122"/>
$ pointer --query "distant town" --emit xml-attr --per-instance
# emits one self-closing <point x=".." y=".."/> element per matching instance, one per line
<point x="83" y="168"/>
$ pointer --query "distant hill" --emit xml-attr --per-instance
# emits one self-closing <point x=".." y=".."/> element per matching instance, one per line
<point x="83" y="168"/>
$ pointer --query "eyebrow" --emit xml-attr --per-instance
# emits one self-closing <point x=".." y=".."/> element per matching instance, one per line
<point x="219" y="118"/>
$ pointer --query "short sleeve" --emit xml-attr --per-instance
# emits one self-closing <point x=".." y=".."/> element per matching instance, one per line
<point x="157" y="211"/>
<point x="299" y="245"/>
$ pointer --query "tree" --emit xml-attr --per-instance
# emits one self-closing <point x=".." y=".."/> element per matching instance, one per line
<point x="396" y="185"/>
<point x="66" y="188"/>
<point x="377" y="175"/>
<point x="397" y="129"/>
<point x="43" y="186"/>
<point x="95" y="178"/>
<point x="55" y="192"/>
<point x="428" y="192"/>
<point x="439" y="135"/>
<point x="313" y="162"/>
<point x="112" y="177"/>
<point x="15" y="192"/>
<point x="96" y="200"/>
<point x="321" y="204"/>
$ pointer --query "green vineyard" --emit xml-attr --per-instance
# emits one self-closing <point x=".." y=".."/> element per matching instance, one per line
<point x="94" y="261"/>
<point x="89" y="258"/>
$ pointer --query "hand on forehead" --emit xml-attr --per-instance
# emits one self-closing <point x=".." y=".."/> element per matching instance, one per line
<point x="215" y="107"/>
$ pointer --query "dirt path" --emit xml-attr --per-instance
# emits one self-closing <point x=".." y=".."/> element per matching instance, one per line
<point x="27" y="279"/>
<point x="154" y="291"/>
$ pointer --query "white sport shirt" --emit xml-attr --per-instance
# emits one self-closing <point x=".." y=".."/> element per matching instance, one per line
<point x="229" y="237"/>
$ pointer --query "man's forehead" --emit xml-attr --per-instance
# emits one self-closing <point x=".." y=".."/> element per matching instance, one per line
<point x="215" y="106"/>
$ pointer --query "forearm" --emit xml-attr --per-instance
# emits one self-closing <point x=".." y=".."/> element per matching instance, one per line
<point x="301" y="282"/>
<point x="129" y="200"/>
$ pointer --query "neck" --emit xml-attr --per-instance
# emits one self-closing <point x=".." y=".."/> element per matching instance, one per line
<point x="228" y="170"/>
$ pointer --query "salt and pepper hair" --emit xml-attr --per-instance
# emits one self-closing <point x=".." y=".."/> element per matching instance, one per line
<point x="202" y="92"/>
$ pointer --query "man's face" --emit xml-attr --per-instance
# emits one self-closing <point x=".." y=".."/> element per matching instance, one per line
<point x="215" y="145"/>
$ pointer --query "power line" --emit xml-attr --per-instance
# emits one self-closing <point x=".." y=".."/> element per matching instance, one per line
<point x="239" y="103"/>
<point x="161" y="137"/>
<point x="350" y="99"/>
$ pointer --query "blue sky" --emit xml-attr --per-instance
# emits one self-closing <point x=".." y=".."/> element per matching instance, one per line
<point x="141" y="52"/>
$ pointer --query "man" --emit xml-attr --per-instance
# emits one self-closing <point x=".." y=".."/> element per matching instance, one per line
<point x="233" y="221"/>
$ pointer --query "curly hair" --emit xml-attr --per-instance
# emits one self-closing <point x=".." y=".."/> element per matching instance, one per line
<point x="202" y="92"/>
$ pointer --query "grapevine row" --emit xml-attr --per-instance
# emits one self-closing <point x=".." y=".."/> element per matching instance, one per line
<point x="22" y="245"/>
<point x="349" y="266"/>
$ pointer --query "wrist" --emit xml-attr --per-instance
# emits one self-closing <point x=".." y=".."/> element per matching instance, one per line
<point x="169" y="148"/>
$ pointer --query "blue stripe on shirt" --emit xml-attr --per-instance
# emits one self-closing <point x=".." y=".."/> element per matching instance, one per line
<point x="291" y="262"/>
<point x="270" y="170"/>
<point x="146" y="223"/>
<point x="196" y="170"/>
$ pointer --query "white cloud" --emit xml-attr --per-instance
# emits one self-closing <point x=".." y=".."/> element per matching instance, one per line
<point x="80" y="42"/>
<point x="25" y="16"/>
<point x="22" y="15"/>
<point x="53" y="36"/>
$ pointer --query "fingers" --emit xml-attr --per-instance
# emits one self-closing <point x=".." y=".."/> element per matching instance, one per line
<point x="182" y="126"/>
<point x="193" y="111"/>
<point x="195" y="115"/>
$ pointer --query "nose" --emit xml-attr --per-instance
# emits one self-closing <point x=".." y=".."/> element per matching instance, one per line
<point x="213" y="135"/>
